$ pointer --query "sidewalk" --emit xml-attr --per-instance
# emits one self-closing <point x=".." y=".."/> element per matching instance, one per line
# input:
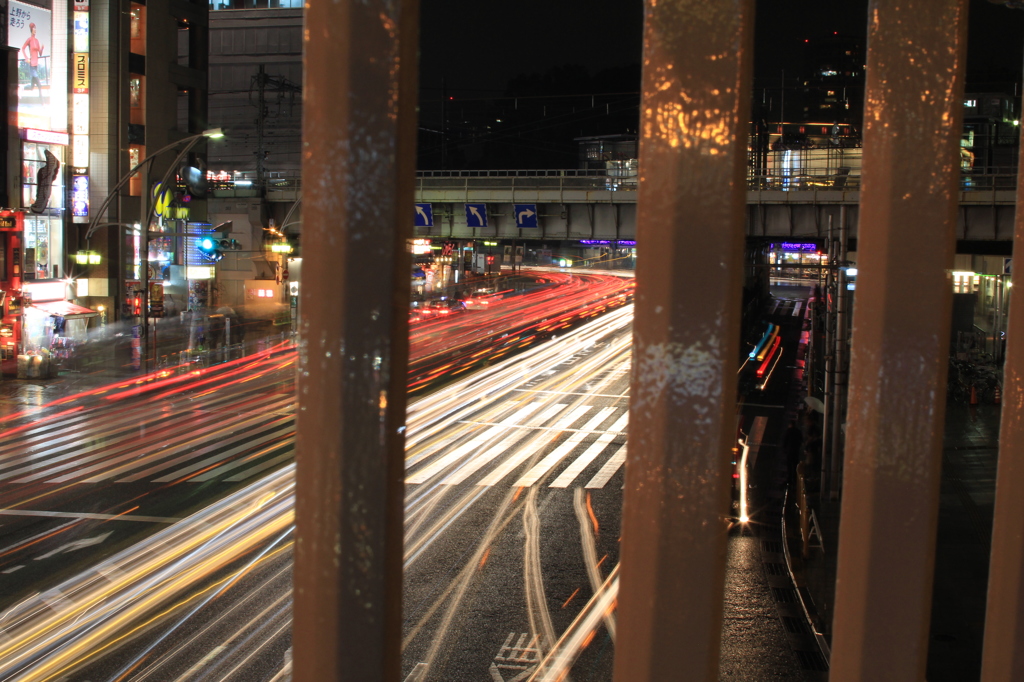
<point x="969" y="454"/>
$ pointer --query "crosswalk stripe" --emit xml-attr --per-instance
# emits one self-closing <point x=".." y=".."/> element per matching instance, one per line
<point x="263" y="466"/>
<point x="555" y="456"/>
<point x="474" y="465"/>
<point x="242" y="461"/>
<point x="518" y="458"/>
<point x="796" y="308"/>
<point x="137" y="457"/>
<point x="128" y="443"/>
<point x="608" y="470"/>
<point x="288" y="427"/>
<point x="590" y="454"/>
<point x="220" y="457"/>
<point x="482" y="437"/>
<point x="48" y="462"/>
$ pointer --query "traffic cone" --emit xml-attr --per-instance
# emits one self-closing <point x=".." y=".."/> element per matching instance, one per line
<point x="974" y="395"/>
<point x="996" y="395"/>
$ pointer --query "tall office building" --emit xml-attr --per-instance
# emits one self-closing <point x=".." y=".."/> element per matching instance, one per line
<point x="146" y="88"/>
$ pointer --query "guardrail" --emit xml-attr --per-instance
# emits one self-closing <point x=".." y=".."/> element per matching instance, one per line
<point x="571" y="179"/>
<point x="190" y="359"/>
<point x="587" y="180"/>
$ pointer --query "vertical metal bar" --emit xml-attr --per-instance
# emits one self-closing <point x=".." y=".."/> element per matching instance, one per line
<point x="840" y="363"/>
<point x="1003" y="652"/>
<point x="143" y="322"/>
<point x="908" y="205"/>
<point x="692" y="194"/>
<point x="830" y="366"/>
<point x="359" y="141"/>
<point x="1000" y="317"/>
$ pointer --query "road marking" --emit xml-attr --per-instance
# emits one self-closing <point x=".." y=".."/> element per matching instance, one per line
<point x="593" y="395"/>
<point x="188" y="456"/>
<point x="210" y="655"/>
<point x="482" y="437"/>
<point x="506" y="467"/>
<point x="12" y="569"/>
<point x="242" y="461"/>
<point x="608" y="470"/>
<point x="555" y="456"/>
<point x="77" y="544"/>
<point x="252" y="471"/>
<point x="518" y="660"/>
<point x="84" y="515"/>
<point x="220" y="457"/>
<point x="591" y="453"/>
<point x="418" y="673"/>
<point x="478" y="462"/>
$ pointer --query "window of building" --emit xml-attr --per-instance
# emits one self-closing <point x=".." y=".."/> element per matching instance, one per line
<point x="136" y="153"/>
<point x="137" y="100"/>
<point x="184" y="42"/>
<point x="138" y="29"/>
<point x="183" y="110"/>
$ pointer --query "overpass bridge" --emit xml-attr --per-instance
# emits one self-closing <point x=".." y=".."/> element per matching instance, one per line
<point x="582" y="205"/>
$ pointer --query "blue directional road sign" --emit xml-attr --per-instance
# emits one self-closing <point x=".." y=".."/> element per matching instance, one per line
<point x="476" y="215"/>
<point x="424" y="215"/>
<point x="526" y="215"/>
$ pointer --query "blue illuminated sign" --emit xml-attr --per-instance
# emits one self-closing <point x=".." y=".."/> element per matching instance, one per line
<point x="424" y="215"/>
<point x="80" y="196"/>
<point x="526" y="215"/>
<point x="795" y="246"/>
<point x="476" y="215"/>
<point x="607" y="242"/>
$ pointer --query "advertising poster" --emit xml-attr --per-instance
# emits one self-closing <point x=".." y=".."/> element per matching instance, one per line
<point x="28" y="31"/>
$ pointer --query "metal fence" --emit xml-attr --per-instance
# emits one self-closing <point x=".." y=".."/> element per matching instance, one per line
<point x="797" y="180"/>
<point x="348" y="569"/>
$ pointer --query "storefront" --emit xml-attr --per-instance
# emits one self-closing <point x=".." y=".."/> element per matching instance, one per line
<point x="796" y="261"/>
<point x="52" y="329"/>
<point x="11" y="230"/>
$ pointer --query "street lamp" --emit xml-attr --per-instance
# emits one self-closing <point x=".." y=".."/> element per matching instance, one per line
<point x="94" y="224"/>
<point x="146" y="208"/>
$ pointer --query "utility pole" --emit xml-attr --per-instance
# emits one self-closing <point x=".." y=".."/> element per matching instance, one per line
<point x="261" y="82"/>
<point x="261" y="118"/>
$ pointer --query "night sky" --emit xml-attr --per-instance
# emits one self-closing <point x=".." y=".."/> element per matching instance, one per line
<point x="477" y="47"/>
<point x="514" y="85"/>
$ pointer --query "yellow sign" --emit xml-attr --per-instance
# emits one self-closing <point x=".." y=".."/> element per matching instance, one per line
<point x="199" y="272"/>
<point x="81" y="77"/>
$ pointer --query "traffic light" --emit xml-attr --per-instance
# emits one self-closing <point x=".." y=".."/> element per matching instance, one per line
<point x="210" y="246"/>
<point x="192" y="172"/>
<point x="214" y="244"/>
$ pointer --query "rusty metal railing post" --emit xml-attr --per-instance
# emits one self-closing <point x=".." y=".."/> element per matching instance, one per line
<point x="692" y="194"/>
<point x="1003" y="654"/>
<point x="359" y="138"/>
<point x="897" y="380"/>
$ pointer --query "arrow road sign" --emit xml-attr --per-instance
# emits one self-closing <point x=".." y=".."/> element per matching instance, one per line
<point x="526" y="215"/>
<point x="77" y="544"/>
<point x="424" y="215"/>
<point x="476" y="215"/>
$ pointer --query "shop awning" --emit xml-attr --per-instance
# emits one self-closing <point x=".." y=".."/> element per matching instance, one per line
<point x="65" y="309"/>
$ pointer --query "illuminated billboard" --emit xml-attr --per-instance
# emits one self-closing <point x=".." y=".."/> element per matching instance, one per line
<point x="28" y="31"/>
